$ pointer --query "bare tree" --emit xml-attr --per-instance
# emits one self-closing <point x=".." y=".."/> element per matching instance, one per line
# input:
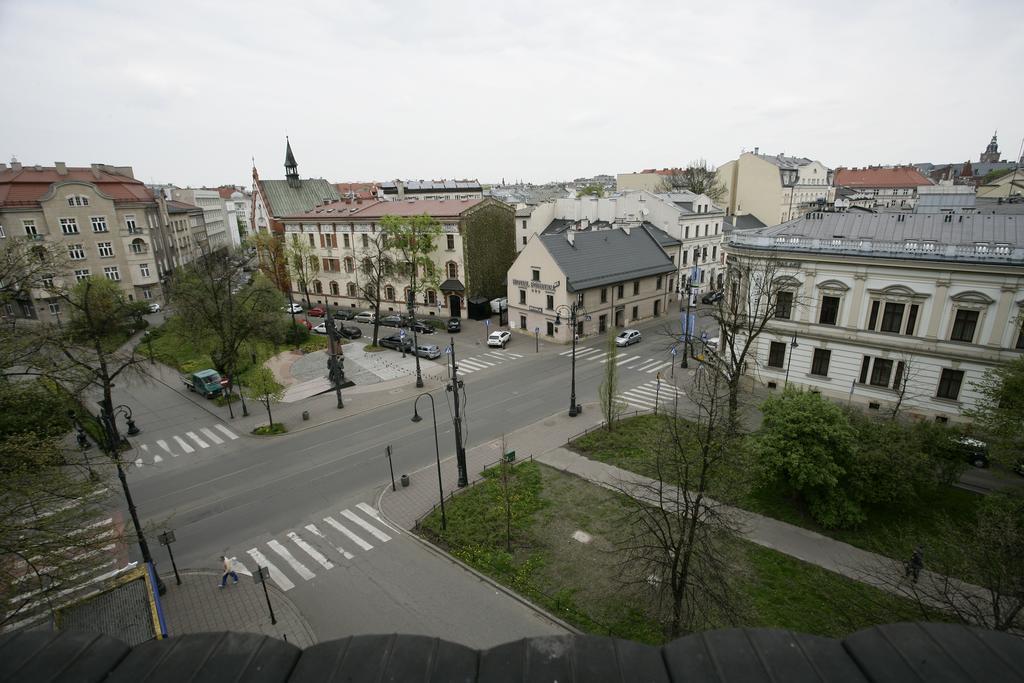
<point x="303" y="264"/>
<point x="698" y="178"/>
<point x="272" y="254"/>
<point x="679" y="540"/>
<point x="377" y="265"/>
<point x="905" y="381"/>
<point x="612" y="406"/>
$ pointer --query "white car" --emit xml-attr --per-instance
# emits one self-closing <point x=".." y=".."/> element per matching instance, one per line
<point x="365" y="317"/>
<point x="499" y="338"/>
<point x="321" y="328"/>
<point x="154" y="307"/>
<point x="293" y="308"/>
<point x="627" y="337"/>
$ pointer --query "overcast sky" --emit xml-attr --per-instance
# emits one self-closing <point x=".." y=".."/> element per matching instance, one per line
<point x="189" y="92"/>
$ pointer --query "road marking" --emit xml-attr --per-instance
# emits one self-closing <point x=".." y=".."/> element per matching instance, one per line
<point x="239" y="567"/>
<point x="156" y="459"/>
<point x="227" y="432"/>
<point x="477" y="363"/>
<point x="299" y="568"/>
<point x="311" y="551"/>
<point x="210" y="434"/>
<point x="282" y="581"/>
<point x="355" y="539"/>
<point x="626" y="360"/>
<point x="200" y="442"/>
<point x="163" y="444"/>
<point x="344" y="553"/>
<point x="372" y="512"/>
<point x="378" y="534"/>
<point x="494" y="354"/>
<point x="463" y="370"/>
<point x="650" y="362"/>
<point x="659" y="367"/>
<point x="138" y="462"/>
<point x="184" y="444"/>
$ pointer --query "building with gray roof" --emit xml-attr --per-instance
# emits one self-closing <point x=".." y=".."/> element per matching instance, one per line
<point x="275" y="199"/>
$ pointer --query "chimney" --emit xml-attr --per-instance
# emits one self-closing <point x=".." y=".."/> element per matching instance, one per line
<point x="625" y="228"/>
<point x="757" y="150"/>
<point x="570" y="237"/>
<point x="15" y="165"/>
<point x="62" y="168"/>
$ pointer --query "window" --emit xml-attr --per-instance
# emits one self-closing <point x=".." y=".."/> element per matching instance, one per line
<point x="873" y="318"/>
<point x="829" y="310"/>
<point x="864" y="369"/>
<point x="949" y="384"/>
<point x="604" y="295"/>
<point x="897" y="380"/>
<point x="522" y="322"/>
<point x="312" y="241"/>
<point x="349" y="264"/>
<point x="912" y="319"/>
<point x="522" y="297"/>
<point x="551" y="302"/>
<point x="714" y="252"/>
<point x="551" y="329"/>
<point x="366" y="241"/>
<point x="451" y="242"/>
<point x="784" y="305"/>
<point x="78" y="200"/>
<point x="964" y="325"/>
<point x="329" y="240"/>
<point x="81" y="274"/>
<point x="138" y="246"/>
<point x="1020" y="338"/>
<point x="335" y="290"/>
<point x="636" y="288"/>
<point x="686" y="232"/>
<point x="318" y="287"/>
<point x="344" y="240"/>
<point x="332" y="265"/>
<point x="686" y="259"/>
<point x="48" y="282"/>
<point x="524" y="240"/>
<point x="535" y="274"/>
<point x="657" y="283"/>
<point x="453" y="270"/>
<point x="892" y="318"/>
<point x="69" y="226"/>
<point x="602" y="324"/>
<point x="389" y="293"/>
<point x="881" y="371"/>
<point x="99" y="223"/>
<point x="621" y="290"/>
<point x="54" y="308"/>
<point x="112" y="273"/>
<point x="524" y="224"/>
<point x="30" y="228"/>
<point x="129" y="222"/>
<point x="431" y="297"/>
<point x="636" y="313"/>
<point x="579" y="298"/>
<point x="819" y="362"/>
<point x="144" y="269"/>
<point x="106" y="249"/>
<point x="776" y="355"/>
<point x="76" y="252"/>
<point x="704" y="250"/>
<point x="146" y="293"/>
<point x="350" y="288"/>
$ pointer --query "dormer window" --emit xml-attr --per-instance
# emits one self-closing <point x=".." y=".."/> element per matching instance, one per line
<point x="78" y="200"/>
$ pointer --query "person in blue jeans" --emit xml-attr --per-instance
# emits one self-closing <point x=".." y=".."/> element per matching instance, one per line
<point x="229" y="570"/>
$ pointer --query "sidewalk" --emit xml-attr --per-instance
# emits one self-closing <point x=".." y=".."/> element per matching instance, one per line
<point x="199" y="606"/>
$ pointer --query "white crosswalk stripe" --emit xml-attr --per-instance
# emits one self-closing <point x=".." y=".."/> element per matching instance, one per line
<point x="240" y="568"/>
<point x="343" y="529"/>
<point x="195" y="437"/>
<point x="184" y="445"/>
<point x="647" y="364"/>
<point x="376" y="533"/>
<point x="282" y="581"/>
<point x="311" y="551"/>
<point x="621" y="359"/>
<point x="209" y="433"/>
<point x="373" y="513"/>
<point x="312" y="528"/>
<point x="227" y="432"/>
<point x="647" y="394"/>
<point x="299" y="568"/>
<point x="659" y="367"/>
<point x="163" y="444"/>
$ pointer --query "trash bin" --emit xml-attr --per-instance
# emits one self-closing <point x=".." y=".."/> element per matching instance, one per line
<point x="305" y="414"/>
<point x="405" y="480"/>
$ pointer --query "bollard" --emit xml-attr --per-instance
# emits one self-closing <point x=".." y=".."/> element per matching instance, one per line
<point x="305" y="415"/>
<point x="405" y="480"/>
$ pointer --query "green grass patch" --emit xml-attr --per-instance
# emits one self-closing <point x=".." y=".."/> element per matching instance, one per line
<point x="314" y="343"/>
<point x="268" y="430"/>
<point x="370" y="348"/>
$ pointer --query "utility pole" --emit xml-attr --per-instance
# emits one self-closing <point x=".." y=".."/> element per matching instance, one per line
<point x="460" y="449"/>
<point x="686" y="326"/>
<point x="335" y="361"/>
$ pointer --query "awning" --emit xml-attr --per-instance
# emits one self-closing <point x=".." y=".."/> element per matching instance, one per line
<point x="452" y="286"/>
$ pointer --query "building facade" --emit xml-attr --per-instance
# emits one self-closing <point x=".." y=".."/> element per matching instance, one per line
<point x="471" y="257"/>
<point x="890" y="187"/>
<point x="101" y="216"/>
<point x="272" y="200"/>
<point x="215" y="218"/>
<point x="891" y="310"/>
<point x="431" y="190"/>
<point x="617" y="277"/>
<point x="237" y="209"/>
<point x="775" y="189"/>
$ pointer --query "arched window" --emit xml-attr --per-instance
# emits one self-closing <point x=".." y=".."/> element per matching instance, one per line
<point x="389" y="293"/>
<point x="350" y="288"/>
<point x="367" y="265"/>
<point x="453" y="270"/>
<point x="405" y="295"/>
<point x="349" y="264"/>
<point x="335" y="291"/>
<point x="138" y="246"/>
<point x="317" y="287"/>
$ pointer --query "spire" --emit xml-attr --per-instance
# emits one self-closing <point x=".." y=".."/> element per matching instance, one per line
<point x="291" y="169"/>
<point x="991" y="153"/>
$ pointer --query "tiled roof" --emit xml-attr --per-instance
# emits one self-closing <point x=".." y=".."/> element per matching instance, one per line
<point x="26" y="186"/>
<point x="359" y="190"/>
<point x="378" y="209"/>
<point x="607" y="256"/>
<point x="181" y="207"/>
<point x="901" y="176"/>
<point x="286" y="200"/>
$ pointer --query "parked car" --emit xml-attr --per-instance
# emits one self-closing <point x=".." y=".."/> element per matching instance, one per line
<point x="293" y="308"/>
<point x="627" y="337"/>
<point x="430" y="351"/>
<point x="499" y="338"/>
<point x="321" y="328"/>
<point x="316" y="312"/>
<point x="712" y="343"/>
<point x="344" y="314"/>
<point x="421" y="327"/>
<point x="499" y="305"/>
<point x="205" y="383"/>
<point x="365" y="317"/>
<point x="154" y="307"/>
<point x="397" y="343"/>
<point x="454" y="324"/>
<point x="712" y="297"/>
<point x="974" y="451"/>
<point x="391" y="321"/>
<point x="349" y="332"/>
<point x="303" y="321"/>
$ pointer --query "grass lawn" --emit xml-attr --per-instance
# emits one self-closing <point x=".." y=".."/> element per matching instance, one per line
<point x="892" y="531"/>
<point x="581" y="582"/>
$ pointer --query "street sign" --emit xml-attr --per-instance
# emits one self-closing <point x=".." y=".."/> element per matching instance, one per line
<point x="487" y="323"/>
<point x="401" y="334"/>
<point x="536" y="330"/>
<point x="448" y="350"/>
<point x="673" y="350"/>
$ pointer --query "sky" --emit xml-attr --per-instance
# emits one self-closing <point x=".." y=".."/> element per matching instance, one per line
<point x="191" y="92"/>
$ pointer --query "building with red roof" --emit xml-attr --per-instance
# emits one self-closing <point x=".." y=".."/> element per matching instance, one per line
<point x="890" y="186"/>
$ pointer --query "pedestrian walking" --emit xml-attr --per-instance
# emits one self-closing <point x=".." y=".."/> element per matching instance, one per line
<point x="229" y="570"/>
<point x="916" y="564"/>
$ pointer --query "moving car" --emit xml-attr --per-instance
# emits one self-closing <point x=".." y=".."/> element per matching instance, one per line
<point x="454" y="324"/>
<point x="499" y="305"/>
<point x="321" y="328"/>
<point x="365" y="317"/>
<point x="421" y="327"/>
<point x="205" y="383"/>
<point x="430" y="351"/>
<point x="391" y="321"/>
<point x="397" y="343"/>
<point x="154" y="307"/>
<point x="293" y="308"/>
<point x="316" y="312"/>
<point x="627" y="337"/>
<point x="711" y="297"/>
<point x="499" y="338"/>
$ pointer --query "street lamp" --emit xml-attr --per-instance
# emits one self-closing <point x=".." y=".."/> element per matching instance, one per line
<point x="789" y="361"/>
<point x="437" y="451"/>
<point x="112" y="444"/>
<point x="573" y="312"/>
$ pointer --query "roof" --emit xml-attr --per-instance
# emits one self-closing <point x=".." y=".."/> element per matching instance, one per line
<point x="745" y="221"/>
<point x="559" y="226"/>
<point x="27" y="185"/>
<point x="891" y="652"/>
<point x="391" y="186"/>
<point x="989" y="237"/>
<point x="174" y="206"/>
<point x="358" y="190"/>
<point x="898" y="176"/>
<point x="452" y="285"/>
<point x="782" y="161"/>
<point x="664" y="171"/>
<point x="526" y="211"/>
<point x="285" y="200"/>
<point x="379" y="209"/>
<point x="605" y="257"/>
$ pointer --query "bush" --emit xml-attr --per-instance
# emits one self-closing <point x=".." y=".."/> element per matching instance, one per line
<point x="269" y="430"/>
<point x="314" y="343"/>
<point x="296" y="334"/>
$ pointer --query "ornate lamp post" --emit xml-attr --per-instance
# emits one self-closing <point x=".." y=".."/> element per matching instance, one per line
<point x="573" y="311"/>
<point x="789" y="361"/>
<point x="437" y="451"/>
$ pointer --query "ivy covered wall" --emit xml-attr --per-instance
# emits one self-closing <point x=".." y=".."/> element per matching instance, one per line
<point x="489" y="244"/>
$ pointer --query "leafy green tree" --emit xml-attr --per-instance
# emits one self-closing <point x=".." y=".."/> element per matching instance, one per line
<point x="375" y="268"/>
<point x="272" y="254"/>
<point x="265" y="388"/>
<point x="698" y="177"/>
<point x="303" y="264"/>
<point x="592" y="190"/>
<point x="412" y="242"/>
<point x="999" y="411"/>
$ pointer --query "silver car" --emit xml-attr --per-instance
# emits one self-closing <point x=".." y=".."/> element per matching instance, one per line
<point x="430" y="351"/>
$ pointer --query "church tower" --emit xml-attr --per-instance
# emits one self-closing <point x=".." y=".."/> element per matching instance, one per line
<point x="291" y="169"/>
<point x="991" y="153"/>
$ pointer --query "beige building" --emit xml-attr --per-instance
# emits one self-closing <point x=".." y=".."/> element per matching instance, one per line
<point x="1008" y="185"/>
<point x="774" y="189"/>
<point x="890" y="187"/>
<point x="103" y="218"/>
<point x="618" y="277"/>
<point x="649" y="180"/>
<point x="889" y="309"/>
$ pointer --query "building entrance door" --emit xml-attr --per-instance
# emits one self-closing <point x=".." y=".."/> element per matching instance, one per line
<point x="619" y="317"/>
<point x="454" y="303"/>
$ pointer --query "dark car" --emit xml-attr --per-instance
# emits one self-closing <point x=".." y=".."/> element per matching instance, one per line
<point x="344" y="314"/>
<point x="420" y="327"/>
<point x="391" y="321"/>
<point x="973" y="450"/>
<point x="349" y="332"/>
<point x="397" y="343"/>
<point x="454" y="324"/>
<point x="711" y="298"/>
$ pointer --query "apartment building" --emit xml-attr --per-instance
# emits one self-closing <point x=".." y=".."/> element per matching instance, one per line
<point x="237" y="209"/>
<point x="774" y="189"/>
<point x="431" y="190"/>
<point x="890" y="187"/>
<point x="218" y="234"/>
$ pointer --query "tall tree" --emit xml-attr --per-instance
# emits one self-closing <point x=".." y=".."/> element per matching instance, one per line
<point x="376" y="267"/>
<point x="698" y="178"/>
<point x="303" y="264"/>
<point x="25" y="265"/>
<point x="266" y="389"/>
<point x="590" y="191"/>
<point x="612" y="406"/>
<point x="999" y="411"/>
<point x="272" y="254"/>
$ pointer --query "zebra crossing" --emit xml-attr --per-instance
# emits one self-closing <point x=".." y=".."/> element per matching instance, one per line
<point x="485" y="360"/>
<point x="624" y="360"/>
<point x="178" y="445"/>
<point x="649" y="394"/>
<point x="299" y="554"/>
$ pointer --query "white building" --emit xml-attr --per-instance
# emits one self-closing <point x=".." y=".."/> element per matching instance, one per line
<point x="403" y="190"/>
<point x="890" y="187"/>
<point x="237" y="209"/>
<point x="774" y="189"/>
<point x="217" y="233"/>
<point x="891" y="307"/>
